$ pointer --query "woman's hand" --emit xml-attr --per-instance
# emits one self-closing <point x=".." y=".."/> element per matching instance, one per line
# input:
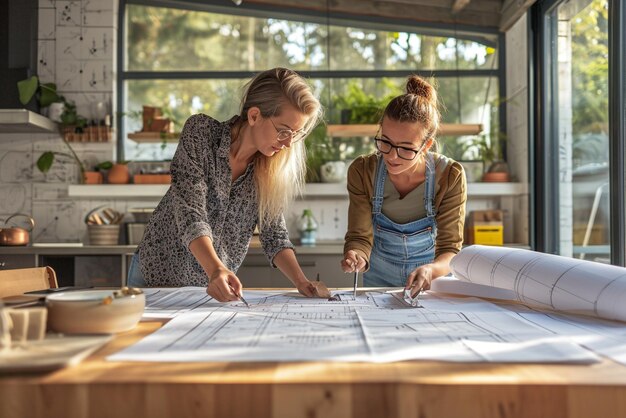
<point x="306" y="288"/>
<point x="224" y="286"/>
<point x="352" y="262"/>
<point x="420" y="279"/>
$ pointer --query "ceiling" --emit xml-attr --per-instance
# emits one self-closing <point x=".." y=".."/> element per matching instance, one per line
<point x="490" y="14"/>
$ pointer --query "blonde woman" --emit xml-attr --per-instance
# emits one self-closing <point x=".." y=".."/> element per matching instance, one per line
<point x="407" y="204"/>
<point x="227" y="178"/>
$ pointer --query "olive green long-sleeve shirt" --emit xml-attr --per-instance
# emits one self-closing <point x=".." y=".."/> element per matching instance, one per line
<point x="450" y="199"/>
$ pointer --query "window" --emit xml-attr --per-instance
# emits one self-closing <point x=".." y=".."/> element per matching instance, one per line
<point x="191" y="61"/>
<point x="582" y="127"/>
<point x="579" y="124"/>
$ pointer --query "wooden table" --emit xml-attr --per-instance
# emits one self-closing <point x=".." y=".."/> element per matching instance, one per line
<point x="97" y="388"/>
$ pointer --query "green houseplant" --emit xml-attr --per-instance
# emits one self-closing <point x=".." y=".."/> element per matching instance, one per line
<point x="489" y="147"/>
<point x="358" y="107"/>
<point x="319" y="150"/>
<point x="45" y="93"/>
<point x="70" y="121"/>
<point x="45" y="160"/>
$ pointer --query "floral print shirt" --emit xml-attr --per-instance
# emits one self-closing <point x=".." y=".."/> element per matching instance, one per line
<point x="203" y="201"/>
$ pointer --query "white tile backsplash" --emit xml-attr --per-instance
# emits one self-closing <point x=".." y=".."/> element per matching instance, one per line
<point x="97" y="44"/>
<point x="68" y="76"/>
<point x="16" y="198"/>
<point x="69" y="43"/>
<point x="46" y="27"/>
<point x="93" y="17"/>
<point x="46" y="61"/>
<point x="96" y="76"/>
<point x="68" y="13"/>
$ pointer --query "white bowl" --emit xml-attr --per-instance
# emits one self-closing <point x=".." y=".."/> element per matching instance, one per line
<point x="94" y="311"/>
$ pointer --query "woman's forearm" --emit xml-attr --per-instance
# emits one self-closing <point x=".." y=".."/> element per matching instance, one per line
<point x="202" y="249"/>
<point x="441" y="264"/>
<point x="286" y="261"/>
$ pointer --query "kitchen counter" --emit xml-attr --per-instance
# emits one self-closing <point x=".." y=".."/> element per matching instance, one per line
<point x="323" y="247"/>
<point x="107" y="265"/>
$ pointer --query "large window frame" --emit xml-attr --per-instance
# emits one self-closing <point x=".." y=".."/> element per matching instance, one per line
<point x="247" y="9"/>
<point x="543" y="126"/>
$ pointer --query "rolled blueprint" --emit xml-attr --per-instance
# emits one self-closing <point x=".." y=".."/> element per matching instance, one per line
<point x="546" y="280"/>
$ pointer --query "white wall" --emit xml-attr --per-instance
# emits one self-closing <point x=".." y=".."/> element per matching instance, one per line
<point x="76" y="51"/>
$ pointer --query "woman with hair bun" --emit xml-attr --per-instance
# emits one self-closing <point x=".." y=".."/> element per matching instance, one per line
<point x="228" y="178"/>
<point x="407" y="203"/>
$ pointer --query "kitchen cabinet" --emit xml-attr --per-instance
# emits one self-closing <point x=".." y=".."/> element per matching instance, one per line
<point x="103" y="265"/>
<point x="81" y="266"/>
<point x="256" y="271"/>
<point x="21" y="261"/>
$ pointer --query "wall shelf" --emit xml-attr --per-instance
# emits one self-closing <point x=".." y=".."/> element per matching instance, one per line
<point x="25" y="122"/>
<point x="153" y="137"/>
<point x="343" y="131"/>
<point x="338" y="190"/>
<point x="117" y="191"/>
<point x="337" y="131"/>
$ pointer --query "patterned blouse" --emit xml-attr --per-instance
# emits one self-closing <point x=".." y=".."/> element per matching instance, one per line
<point x="203" y="201"/>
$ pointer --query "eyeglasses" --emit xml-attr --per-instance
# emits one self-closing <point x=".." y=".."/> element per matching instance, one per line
<point x="285" y="134"/>
<point x="385" y="147"/>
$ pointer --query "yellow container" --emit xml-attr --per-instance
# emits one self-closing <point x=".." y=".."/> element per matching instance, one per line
<point x="489" y="234"/>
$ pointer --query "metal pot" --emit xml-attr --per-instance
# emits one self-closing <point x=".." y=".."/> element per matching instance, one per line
<point x="14" y="235"/>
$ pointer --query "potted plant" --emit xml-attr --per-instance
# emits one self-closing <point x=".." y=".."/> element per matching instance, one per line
<point x="70" y="122"/>
<point x="119" y="173"/>
<point x="319" y="150"/>
<point x="489" y="150"/>
<point x="32" y="89"/>
<point x="358" y="107"/>
<point x="460" y="150"/>
<point x="97" y="174"/>
<point x="45" y="160"/>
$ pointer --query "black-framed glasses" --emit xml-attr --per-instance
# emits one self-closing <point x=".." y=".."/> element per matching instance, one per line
<point x="285" y="134"/>
<point x="385" y="147"/>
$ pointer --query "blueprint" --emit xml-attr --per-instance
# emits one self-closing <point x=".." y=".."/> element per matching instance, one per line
<point x="376" y="326"/>
<point x="545" y="280"/>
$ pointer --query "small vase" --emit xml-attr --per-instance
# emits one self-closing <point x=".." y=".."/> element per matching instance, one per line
<point x="92" y="177"/>
<point x="118" y="174"/>
<point x="495" y="177"/>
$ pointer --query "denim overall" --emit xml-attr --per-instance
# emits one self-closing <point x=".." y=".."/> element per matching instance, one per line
<point x="135" y="278"/>
<point x="400" y="248"/>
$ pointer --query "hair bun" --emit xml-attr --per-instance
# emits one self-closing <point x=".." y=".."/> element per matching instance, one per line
<point x="420" y="87"/>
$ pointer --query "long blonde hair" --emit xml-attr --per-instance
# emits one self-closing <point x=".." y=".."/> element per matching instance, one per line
<point x="281" y="177"/>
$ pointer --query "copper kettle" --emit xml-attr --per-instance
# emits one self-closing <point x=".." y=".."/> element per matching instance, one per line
<point x="14" y="235"/>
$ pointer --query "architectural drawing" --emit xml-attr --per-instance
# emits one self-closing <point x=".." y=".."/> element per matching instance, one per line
<point x="463" y="336"/>
<point x="545" y="280"/>
<point x="373" y="327"/>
